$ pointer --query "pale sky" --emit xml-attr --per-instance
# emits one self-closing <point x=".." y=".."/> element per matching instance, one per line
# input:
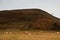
<point x="51" y="6"/>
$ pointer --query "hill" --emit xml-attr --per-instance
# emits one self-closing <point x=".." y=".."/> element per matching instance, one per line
<point x="28" y="19"/>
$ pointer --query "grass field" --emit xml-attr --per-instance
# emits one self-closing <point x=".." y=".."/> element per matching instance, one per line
<point x="29" y="35"/>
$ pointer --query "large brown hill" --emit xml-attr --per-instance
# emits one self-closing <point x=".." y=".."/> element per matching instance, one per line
<point x="28" y="19"/>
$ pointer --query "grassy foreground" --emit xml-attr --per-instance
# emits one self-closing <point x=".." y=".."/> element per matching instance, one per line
<point x="28" y="35"/>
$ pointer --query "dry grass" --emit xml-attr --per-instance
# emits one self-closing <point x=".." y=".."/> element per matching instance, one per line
<point x="29" y="35"/>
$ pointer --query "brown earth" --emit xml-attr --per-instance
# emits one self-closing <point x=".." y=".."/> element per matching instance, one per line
<point x="28" y="19"/>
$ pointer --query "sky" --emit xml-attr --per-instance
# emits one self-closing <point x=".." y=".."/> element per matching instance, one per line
<point x="50" y="6"/>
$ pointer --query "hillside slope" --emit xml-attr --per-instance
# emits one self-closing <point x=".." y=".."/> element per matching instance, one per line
<point x="28" y="19"/>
